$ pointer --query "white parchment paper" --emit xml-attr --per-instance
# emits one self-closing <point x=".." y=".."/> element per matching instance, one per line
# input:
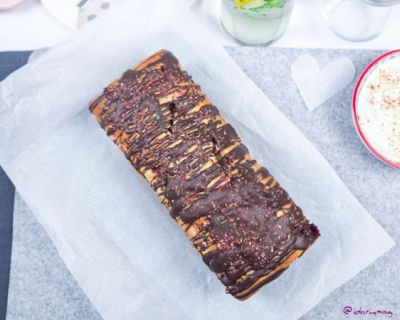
<point x="120" y="244"/>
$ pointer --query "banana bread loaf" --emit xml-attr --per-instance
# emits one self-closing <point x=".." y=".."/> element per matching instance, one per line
<point x="236" y="215"/>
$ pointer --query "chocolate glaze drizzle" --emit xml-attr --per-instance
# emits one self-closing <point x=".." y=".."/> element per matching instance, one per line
<point x="235" y="213"/>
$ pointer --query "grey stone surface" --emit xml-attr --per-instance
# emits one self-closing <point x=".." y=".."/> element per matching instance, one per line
<point x="374" y="184"/>
<point x="42" y="288"/>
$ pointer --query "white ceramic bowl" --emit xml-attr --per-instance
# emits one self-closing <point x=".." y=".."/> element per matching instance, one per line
<point x="355" y="107"/>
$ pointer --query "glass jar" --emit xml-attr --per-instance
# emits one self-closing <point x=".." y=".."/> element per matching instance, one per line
<point x="256" y="22"/>
<point x="358" y="20"/>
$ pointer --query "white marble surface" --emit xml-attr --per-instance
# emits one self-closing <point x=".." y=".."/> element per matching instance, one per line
<point x="29" y="26"/>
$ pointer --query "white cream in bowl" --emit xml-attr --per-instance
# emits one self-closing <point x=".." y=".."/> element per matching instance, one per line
<point x="378" y="107"/>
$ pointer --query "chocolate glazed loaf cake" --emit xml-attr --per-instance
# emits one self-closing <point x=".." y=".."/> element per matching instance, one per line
<point x="240" y="220"/>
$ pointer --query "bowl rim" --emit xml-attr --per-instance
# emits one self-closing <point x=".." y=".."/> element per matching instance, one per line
<point x="354" y="109"/>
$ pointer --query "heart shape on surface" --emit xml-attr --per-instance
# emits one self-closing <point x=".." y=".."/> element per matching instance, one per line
<point x="316" y="85"/>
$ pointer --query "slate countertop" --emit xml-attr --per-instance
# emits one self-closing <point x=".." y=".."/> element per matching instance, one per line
<point x="9" y="61"/>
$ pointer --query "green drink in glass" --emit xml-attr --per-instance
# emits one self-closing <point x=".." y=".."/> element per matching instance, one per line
<point x="256" y="22"/>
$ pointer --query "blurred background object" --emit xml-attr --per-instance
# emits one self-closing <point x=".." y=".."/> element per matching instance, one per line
<point x="76" y="13"/>
<point x="358" y="20"/>
<point x="32" y="26"/>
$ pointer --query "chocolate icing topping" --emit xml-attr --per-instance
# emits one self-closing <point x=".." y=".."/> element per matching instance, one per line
<point x="236" y="214"/>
